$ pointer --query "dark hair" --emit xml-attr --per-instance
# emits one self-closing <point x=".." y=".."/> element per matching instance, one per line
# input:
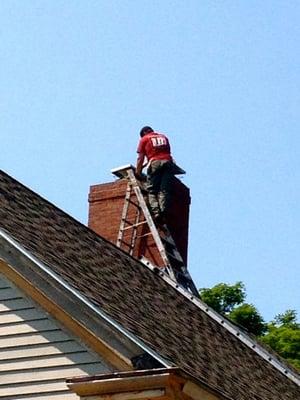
<point x="145" y="130"/>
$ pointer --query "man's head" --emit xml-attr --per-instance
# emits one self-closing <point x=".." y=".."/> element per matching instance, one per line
<point x="145" y="130"/>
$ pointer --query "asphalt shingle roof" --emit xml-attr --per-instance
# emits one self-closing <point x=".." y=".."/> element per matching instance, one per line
<point x="138" y="299"/>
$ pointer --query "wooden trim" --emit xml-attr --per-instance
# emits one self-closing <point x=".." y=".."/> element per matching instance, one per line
<point x="155" y="394"/>
<point x="115" y="385"/>
<point x="162" y="386"/>
<point x="102" y="348"/>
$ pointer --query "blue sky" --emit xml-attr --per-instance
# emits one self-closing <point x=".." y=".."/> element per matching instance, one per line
<point x="78" y="79"/>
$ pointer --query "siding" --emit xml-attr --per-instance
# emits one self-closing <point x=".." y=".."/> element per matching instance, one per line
<point x="36" y="353"/>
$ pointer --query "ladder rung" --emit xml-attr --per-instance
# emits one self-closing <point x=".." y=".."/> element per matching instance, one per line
<point x="145" y="234"/>
<point x="126" y="244"/>
<point x="169" y="241"/>
<point x="175" y="255"/>
<point x="134" y="203"/>
<point x="132" y="226"/>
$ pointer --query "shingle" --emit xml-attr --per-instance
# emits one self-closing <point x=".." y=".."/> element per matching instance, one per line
<point x="138" y="299"/>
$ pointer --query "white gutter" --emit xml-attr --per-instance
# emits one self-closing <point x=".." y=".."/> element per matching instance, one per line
<point x="82" y="298"/>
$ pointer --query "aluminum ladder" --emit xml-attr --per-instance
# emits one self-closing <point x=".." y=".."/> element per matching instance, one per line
<point x="136" y="214"/>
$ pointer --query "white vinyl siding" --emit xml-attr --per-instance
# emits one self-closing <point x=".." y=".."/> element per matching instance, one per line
<point x="36" y="353"/>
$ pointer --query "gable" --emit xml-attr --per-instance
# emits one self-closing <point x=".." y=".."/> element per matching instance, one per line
<point x="37" y="353"/>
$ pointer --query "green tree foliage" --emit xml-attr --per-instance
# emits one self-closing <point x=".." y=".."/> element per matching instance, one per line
<point x="283" y="336"/>
<point x="228" y="300"/>
<point x="223" y="297"/>
<point x="288" y="319"/>
<point x="247" y="316"/>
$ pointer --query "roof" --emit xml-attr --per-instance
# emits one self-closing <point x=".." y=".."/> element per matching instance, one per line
<point x="142" y="302"/>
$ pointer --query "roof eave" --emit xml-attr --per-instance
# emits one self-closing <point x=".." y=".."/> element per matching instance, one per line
<point x="162" y="382"/>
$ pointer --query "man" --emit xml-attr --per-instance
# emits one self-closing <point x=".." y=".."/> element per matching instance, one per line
<point x="155" y="148"/>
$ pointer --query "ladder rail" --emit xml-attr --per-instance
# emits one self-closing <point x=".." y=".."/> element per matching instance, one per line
<point x="124" y="215"/>
<point x="135" y="229"/>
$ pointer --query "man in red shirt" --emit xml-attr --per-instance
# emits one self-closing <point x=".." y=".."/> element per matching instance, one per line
<point x="155" y="148"/>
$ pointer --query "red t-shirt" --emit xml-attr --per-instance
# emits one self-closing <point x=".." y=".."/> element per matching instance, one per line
<point x="155" y="146"/>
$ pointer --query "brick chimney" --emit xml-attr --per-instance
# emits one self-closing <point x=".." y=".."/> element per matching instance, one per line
<point x="105" y="209"/>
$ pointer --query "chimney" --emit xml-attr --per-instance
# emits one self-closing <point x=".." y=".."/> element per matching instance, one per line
<point x="105" y="210"/>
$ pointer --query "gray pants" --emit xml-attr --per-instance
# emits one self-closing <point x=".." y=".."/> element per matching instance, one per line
<point x="160" y="175"/>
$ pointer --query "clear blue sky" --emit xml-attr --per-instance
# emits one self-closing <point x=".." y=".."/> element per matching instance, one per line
<point x="78" y="79"/>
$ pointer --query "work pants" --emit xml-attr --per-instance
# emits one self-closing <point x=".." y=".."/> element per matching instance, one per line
<point x="159" y="185"/>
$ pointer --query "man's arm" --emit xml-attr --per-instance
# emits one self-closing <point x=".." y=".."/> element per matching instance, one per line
<point x="139" y="164"/>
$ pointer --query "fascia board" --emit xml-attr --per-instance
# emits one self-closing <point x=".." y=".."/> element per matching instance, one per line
<point x="135" y="381"/>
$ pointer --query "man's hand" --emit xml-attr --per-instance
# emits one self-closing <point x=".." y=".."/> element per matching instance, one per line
<point x="137" y="175"/>
<point x="140" y="177"/>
